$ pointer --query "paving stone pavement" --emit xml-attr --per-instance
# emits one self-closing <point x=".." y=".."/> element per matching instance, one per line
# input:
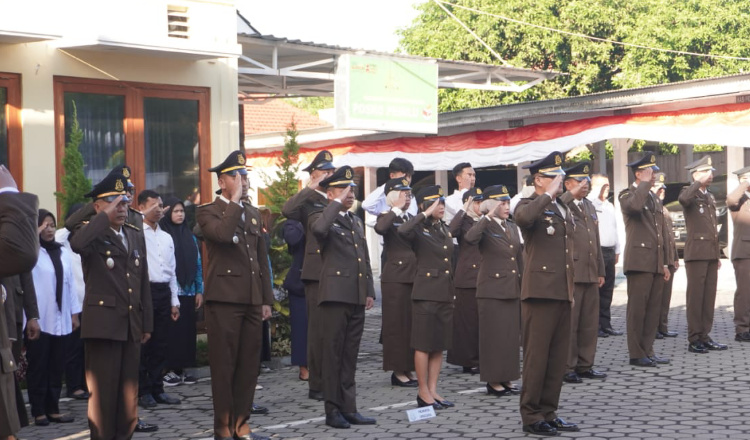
<point x="697" y="396"/>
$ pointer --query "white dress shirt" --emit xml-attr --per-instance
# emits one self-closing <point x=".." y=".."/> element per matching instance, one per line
<point x="162" y="266"/>
<point x="78" y="285"/>
<point x="53" y="320"/>
<point x="608" y="235"/>
<point x="375" y="203"/>
<point x="453" y="204"/>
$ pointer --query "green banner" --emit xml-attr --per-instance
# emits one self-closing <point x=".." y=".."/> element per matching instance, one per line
<point x="386" y="94"/>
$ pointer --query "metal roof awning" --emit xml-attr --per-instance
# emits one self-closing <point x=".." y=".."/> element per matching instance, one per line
<point x="283" y="67"/>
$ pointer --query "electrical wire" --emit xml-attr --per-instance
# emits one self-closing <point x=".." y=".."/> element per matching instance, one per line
<point x="441" y="3"/>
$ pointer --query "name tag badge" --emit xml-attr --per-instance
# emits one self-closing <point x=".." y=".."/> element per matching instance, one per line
<point x="550" y="230"/>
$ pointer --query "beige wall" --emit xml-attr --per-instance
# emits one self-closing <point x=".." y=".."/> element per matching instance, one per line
<point x="39" y="62"/>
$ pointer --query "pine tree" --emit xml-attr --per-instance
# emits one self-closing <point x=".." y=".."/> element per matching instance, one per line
<point x="286" y="184"/>
<point x="74" y="181"/>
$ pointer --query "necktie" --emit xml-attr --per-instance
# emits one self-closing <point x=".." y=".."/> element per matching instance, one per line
<point x="123" y="239"/>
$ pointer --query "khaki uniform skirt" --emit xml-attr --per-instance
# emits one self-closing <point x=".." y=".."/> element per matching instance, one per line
<point x="499" y="339"/>
<point x="397" y="352"/>
<point x="432" y="325"/>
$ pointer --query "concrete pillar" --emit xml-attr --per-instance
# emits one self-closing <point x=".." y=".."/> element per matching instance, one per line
<point x="600" y="163"/>
<point x="686" y="157"/>
<point x="521" y="175"/>
<point x="373" y="239"/>
<point x="441" y="178"/>
<point x="735" y="161"/>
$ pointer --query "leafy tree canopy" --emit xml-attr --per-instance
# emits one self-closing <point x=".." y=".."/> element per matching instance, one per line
<point x="719" y="27"/>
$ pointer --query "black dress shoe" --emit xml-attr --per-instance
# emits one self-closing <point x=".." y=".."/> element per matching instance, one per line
<point x="540" y="428"/>
<point x="421" y="403"/>
<point x="572" y="377"/>
<point x="659" y="335"/>
<point x="660" y="360"/>
<point x="166" y="399"/>
<point x="336" y="420"/>
<point x="315" y="395"/>
<point x="147" y="401"/>
<point x="742" y="337"/>
<point x="407" y="383"/>
<point x="62" y="418"/>
<point x="591" y="374"/>
<point x="471" y="370"/>
<point x="668" y="334"/>
<point x="142" y="426"/>
<point x="562" y="425"/>
<point x="258" y="410"/>
<point x="602" y="334"/>
<point x="711" y="345"/>
<point x="358" y="419"/>
<point x="612" y="332"/>
<point x="41" y="422"/>
<point x="513" y="389"/>
<point x="642" y="362"/>
<point x="83" y="395"/>
<point x="697" y="347"/>
<point x="495" y="392"/>
<point x="445" y="403"/>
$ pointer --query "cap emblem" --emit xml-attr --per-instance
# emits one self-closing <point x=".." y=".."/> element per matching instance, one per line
<point x="348" y="174"/>
<point x="405" y="182"/>
<point x="119" y="186"/>
<point x="558" y="159"/>
<point x="328" y="156"/>
<point x="653" y="159"/>
<point x="440" y="191"/>
<point x="586" y="169"/>
<point x="126" y="172"/>
<point x="479" y="191"/>
<point x="709" y="161"/>
<point x="241" y="159"/>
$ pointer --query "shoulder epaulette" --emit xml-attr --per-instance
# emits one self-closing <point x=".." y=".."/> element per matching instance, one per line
<point x="135" y="210"/>
<point x="624" y="192"/>
<point x="205" y="204"/>
<point x="133" y="226"/>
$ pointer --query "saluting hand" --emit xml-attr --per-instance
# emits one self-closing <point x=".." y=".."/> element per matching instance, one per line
<point x="401" y="201"/>
<point x="553" y="187"/>
<point x="647" y="175"/>
<point x="578" y="188"/>
<point x="428" y="212"/>
<point x="467" y="205"/>
<point x="315" y="181"/>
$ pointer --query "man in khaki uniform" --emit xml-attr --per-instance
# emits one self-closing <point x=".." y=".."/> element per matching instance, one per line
<point x="346" y="290"/>
<point x="701" y="256"/>
<point x="646" y="266"/>
<point x="19" y="248"/>
<point x="117" y="316"/>
<point x="300" y="207"/>
<point x="546" y="297"/>
<point x="589" y="275"/>
<point x="238" y="297"/>
<point x="739" y="209"/>
<point x="673" y="261"/>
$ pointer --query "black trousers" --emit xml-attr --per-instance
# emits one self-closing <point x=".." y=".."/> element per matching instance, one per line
<point x="153" y="354"/>
<point x="46" y="357"/>
<point x="75" y="369"/>
<point x="605" y="292"/>
<point x="17" y="346"/>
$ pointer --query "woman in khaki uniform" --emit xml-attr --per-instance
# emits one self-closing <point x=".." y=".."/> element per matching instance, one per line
<point x="465" y="315"/>
<point x="498" y="292"/>
<point x="396" y="282"/>
<point x="432" y="295"/>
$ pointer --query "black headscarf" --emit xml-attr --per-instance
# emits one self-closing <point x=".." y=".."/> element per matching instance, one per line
<point x="54" y="249"/>
<point x="185" y="250"/>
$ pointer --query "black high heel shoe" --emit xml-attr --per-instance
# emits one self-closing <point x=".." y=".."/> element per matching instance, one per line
<point x="500" y="393"/>
<point x="512" y="389"/>
<point x="421" y="403"/>
<point x="445" y="403"/>
<point x="398" y="383"/>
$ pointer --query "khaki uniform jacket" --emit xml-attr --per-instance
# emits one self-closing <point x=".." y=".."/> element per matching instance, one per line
<point x="501" y="263"/>
<point x="117" y="299"/>
<point x="588" y="261"/>
<point x="346" y="276"/>
<point x="645" y="228"/>
<point x="739" y="209"/>
<point x="237" y="260"/>
<point x="672" y="254"/>
<point x="702" y="241"/>
<point x="401" y="263"/>
<point x="433" y="247"/>
<point x="19" y="250"/>
<point x="467" y="266"/>
<point x="300" y="207"/>
<point x="549" y="247"/>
